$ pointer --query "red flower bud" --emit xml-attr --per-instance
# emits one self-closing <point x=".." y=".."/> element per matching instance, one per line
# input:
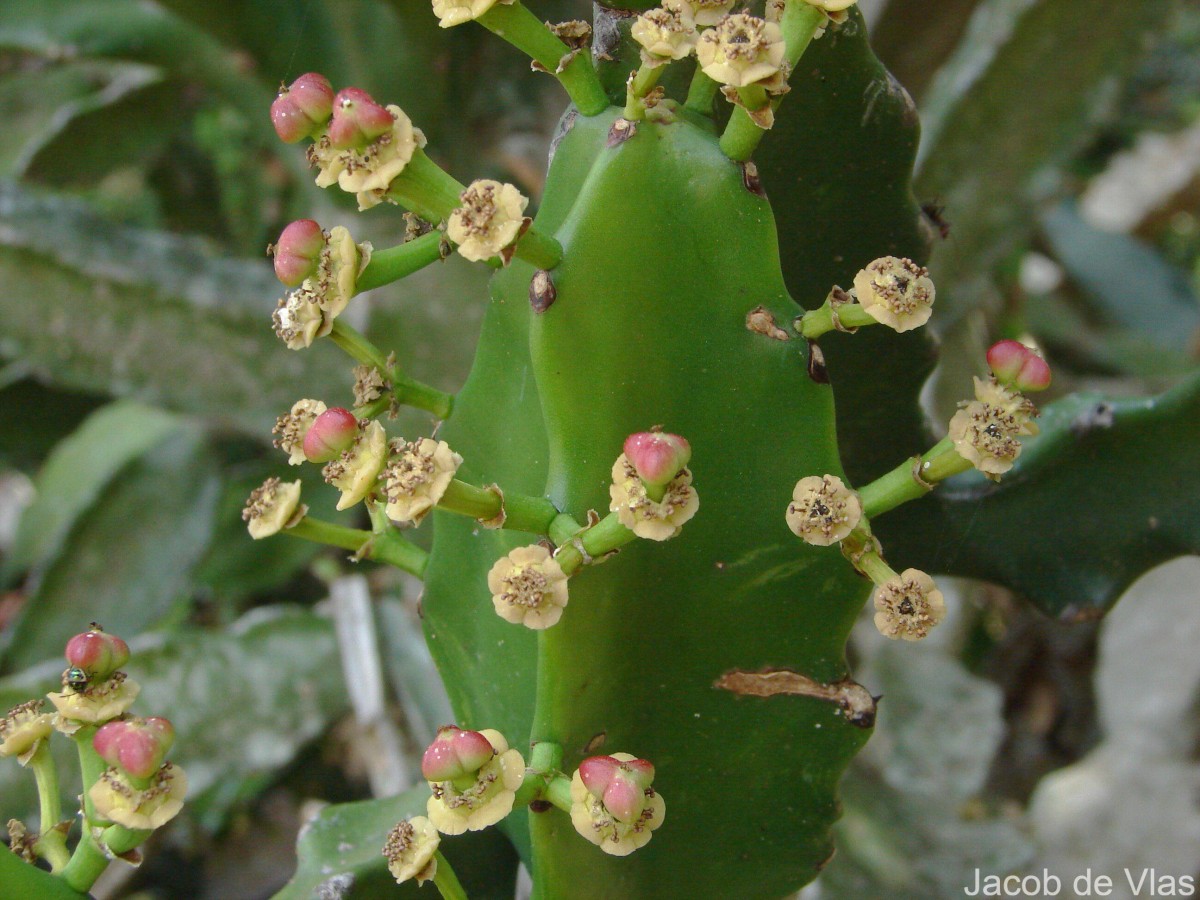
<point x="1018" y="366"/>
<point x="298" y="251"/>
<point x="302" y="109"/>
<point x="97" y="653"/>
<point x="330" y="433"/>
<point x="136" y="746"/>
<point x="656" y="456"/>
<point x="357" y="119"/>
<point x="619" y="784"/>
<point x="455" y="753"/>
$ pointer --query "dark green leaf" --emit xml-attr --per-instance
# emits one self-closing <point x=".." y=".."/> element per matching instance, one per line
<point x="1110" y="489"/>
<point x="342" y="846"/>
<point x="128" y="560"/>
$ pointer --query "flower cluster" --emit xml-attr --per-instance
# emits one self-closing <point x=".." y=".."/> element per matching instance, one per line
<point x="613" y="804"/>
<point x="895" y="292"/>
<point x="742" y="50"/>
<point x="23" y="730"/>
<point x="908" y="605"/>
<point x="528" y="587"/>
<point x="655" y="520"/>
<point x="411" y="850"/>
<point x="474" y="777"/>
<point x="416" y="477"/>
<point x="823" y="510"/>
<point x="328" y="278"/>
<point x="455" y="12"/>
<point x="666" y="33"/>
<point x="489" y="221"/>
<point x="356" y="469"/>
<point x="985" y="431"/>
<point x="273" y="507"/>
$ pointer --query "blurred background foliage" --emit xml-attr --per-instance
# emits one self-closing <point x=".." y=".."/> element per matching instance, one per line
<point x="140" y="182"/>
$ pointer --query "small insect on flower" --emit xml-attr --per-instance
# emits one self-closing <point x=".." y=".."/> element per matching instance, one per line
<point x="76" y="679"/>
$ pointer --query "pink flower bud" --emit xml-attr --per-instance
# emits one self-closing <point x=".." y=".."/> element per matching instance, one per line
<point x="330" y="433"/>
<point x="656" y="456"/>
<point x="136" y="746"/>
<point x="357" y="119"/>
<point x="620" y="784"/>
<point x="302" y="109"/>
<point x="455" y="753"/>
<point x="97" y="653"/>
<point x="298" y="252"/>
<point x="1018" y="366"/>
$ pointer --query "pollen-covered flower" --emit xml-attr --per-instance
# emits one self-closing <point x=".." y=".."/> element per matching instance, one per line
<point x="985" y="431"/>
<point x="655" y="520"/>
<point x="23" y="730"/>
<point x="489" y="221"/>
<point x="118" y="800"/>
<point x="741" y="50"/>
<point x="457" y="806"/>
<point x="895" y="292"/>
<point x="298" y="319"/>
<point x="411" y="850"/>
<point x="273" y="507"/>
<point x="355" y="472"/>
<point x="528" y="587"/>
<point x="709" y="12"/>
<point x="613" y="804"/>
<point x="823" y="510"/>
<point x="369" y="170"/>
<point x="455" y="12"/>
<point x="417" y="476"/>
<point x="908" y="605"/>
<point x="100" y="701"/>
<point x="665" y="33"/>
<point x="293" y="425"/>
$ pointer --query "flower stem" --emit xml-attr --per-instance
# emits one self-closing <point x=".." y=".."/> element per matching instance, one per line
<point x="395" y="263"/>
<point x="539" y="249"/>
<point x="871" y="564"/>
<point x="817" y="322"/>
<point x="51" y="843"/>
<point x="388" y="547"/>
<point x="799" y="24"/>
<point x="525" y="31"/>
<point x="558" y="793"/>
<point x="701" y="93"/>
<point x="426" y="189"/>
<point x="902" y="483"/>
<point x="357" y="346"/>
<point x="522" y="513"/>
<point x="639" y="87"/>
<point x="423" y="396"/>
<point x="605" y="536"/>
<point x="88" y="861"/>
<point x="446" y="881"/>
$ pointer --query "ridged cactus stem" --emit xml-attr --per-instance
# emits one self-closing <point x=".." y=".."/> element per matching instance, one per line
<point x="521" y="28"/>
<point x="388" y="547"/>
<point x="398" y="262"/>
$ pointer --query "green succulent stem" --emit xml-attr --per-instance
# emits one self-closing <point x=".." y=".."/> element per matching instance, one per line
<point x="120" y="840"/>
<point x="521" y="513"/>
<point x="52" y="843"/>
<point x="445" y="880"/>
<point x="871" y="564"/>
<point x="817" y="322"/>
<point x="800" y="23"/>
<point x="422" y="396"/>
<point x="426" y="189"/>
<point x="357" y="346"/>
<point x="376" y="407"/>
<point x="902" y="484"/>
<point x="563" y="529"/>
<point x="388" y="547"/>
<point x="558" y="793"/>
<point x="538" y="249"/>
<point x="394" y="263"/>
<point x="88" y="862"/>
<point x="639" y="86"/>
<point x="525" y="31"/>
<point x="604" y="537"/>
<point x="701" y="93"/>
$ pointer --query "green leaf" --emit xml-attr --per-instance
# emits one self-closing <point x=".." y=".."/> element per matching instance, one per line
<point x="23" y="880"/>
<point x="340" y="854"/>
<point x="1108" y="490"/>
<point x="1021" y="94"/>
<point x="96" y="306"/>
<point x="81" y="466"/>
<point x="127" y="562"/>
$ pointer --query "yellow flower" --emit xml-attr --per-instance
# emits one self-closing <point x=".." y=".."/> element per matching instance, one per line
<point x="355" y="472"/>
<point x="709" y="12"/>
<point x="908" y="605"/>
<point x="368" y="171"/>
<point x="411" y="850"/>
<point x="293" y="425"/>
<point x="455" y="12"/>
<point x="489" y="221"/>
<point x="895" y="292"/>
<point x="23" y="730"/>
<point x="665" y="33"/>
<point x="99" y="702"/>
<point x="528" y="587"/>
<point x="416" y="480"/>
<point x="985" y="430"/>
<point x="119" y="801"/>
<point x="741" y="50"/>
<point x="485" y="802"/>
<point x="592" y="820"/>
<point x="832" y="6"/>
<point x="656" y="521"/>
<point x="273" y="507"/>
<point x="823" y="510"/>
<point x="298" y="319"/>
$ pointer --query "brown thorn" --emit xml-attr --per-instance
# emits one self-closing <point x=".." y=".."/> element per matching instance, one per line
<point x="542" y="292"/>
<point x="817" y="370"/>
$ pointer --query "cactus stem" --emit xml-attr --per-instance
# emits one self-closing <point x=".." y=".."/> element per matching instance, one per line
<point x="401" y="261"/>
<point x="799" y="24"/>
<point x="640" y="85"/>
<point x="701" y="94"/>
<point x="913" y="478"/>
<point x="445" y="880"/>
<point x="520" y="513"/>
<point x="426" y="189"/>
<point x="388" y="547"/>
<point x="521" y="28"/>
